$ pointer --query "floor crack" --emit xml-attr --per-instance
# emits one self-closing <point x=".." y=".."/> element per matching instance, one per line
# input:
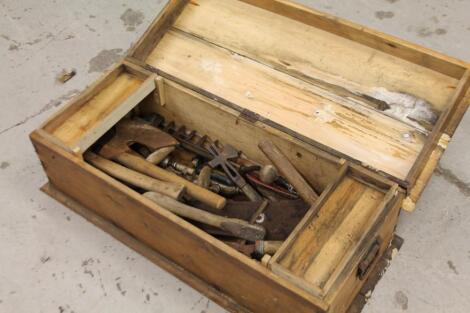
<point x="47" y="107"/>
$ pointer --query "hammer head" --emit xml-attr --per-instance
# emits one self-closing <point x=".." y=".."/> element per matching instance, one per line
<point x="129" y="132"/>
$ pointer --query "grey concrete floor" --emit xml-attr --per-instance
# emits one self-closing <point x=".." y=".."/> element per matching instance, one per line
<point x="52" y="260"/>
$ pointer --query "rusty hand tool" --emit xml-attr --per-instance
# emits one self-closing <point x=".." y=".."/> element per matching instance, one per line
<point x="222" y="158"/>
<point x="223" y="189"/>
<point x="236" y="227"/>
<point x="129" y="132"/>
<point x="288" y="170"/>
<point x="126" y="175"/>
<point x="179" y="167"/>
<point x="186" y="138"/>
<point x="278" y="190"/>
<point x="118" y="149"/>
<point x="220" y="177"/>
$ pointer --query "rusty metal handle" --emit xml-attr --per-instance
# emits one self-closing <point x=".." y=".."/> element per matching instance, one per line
<point x="366" y="264"/>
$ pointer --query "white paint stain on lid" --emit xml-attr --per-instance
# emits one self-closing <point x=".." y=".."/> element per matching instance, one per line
<point x="406" y="107"/>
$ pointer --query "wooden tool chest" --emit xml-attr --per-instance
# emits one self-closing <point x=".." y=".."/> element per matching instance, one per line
<point x="362" y="116"/>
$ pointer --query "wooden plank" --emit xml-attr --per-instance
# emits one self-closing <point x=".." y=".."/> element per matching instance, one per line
<point x="454" y="121"/>
<point x="455" y="107"/>
<point x="76" y="103"/>
<point x="176" y="239"/>
<point x="136" y="70"/>
<point x="366" y="36"/>
<point x="458" y="105"/>
<point x="286" y="44"/>
<point x="367" y="236"/>
<point x="373" y="179"/>
<point x="418" y="187"/>
<point x="91" y="112"/>
<point x="312" y="213"/>
<point x="157" y="29"/>
<point x="180" y="273"/>
<point x="360" y="133"/>
<point x="316" y="234"/>
<point x="344" y="240"/>
<point x="341" y="298"/>
<point x="102" y="111"/>
<point x="110" y="118"/>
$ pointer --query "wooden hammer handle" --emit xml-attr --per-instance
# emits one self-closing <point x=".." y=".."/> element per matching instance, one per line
<point x="197" y="192"/>
<point x="236" y="227"/>
<point x="285" y="167"/>
<point x="134" y="178"/>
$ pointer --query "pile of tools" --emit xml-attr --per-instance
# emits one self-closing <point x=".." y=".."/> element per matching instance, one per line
<point x="251" y="207"/>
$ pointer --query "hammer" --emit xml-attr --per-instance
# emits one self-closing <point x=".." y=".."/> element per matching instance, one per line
<point x="129" y="132"/>
<point x="287" y="169"/>
<point x="134" y="178"/>
<point x="236" y="227"/>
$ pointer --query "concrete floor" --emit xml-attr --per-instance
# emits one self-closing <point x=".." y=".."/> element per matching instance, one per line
<point x="51" y="260"/>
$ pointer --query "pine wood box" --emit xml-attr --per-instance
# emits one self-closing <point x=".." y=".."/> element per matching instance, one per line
<point x="365" y="117"/>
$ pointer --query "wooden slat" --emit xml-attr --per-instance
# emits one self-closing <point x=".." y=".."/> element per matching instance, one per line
<point x="366" y="36"/>
<point x="455" y="107"/>
<point x="58" y="118"/>
<point x="287" y="45"/>
<point x="101" y="103"/>
<point x="360" y="133"/>
<point x="454" y="121"/>
<point x="342" y="297"/>
<point x="102" y="111"/>
<point x="458" y="105"/>
<point x="311" y="240"/>
<point x="311" y="214"/>
<point x="425" y="175"/>
<point x="363" y="239"/>
<point x="323" y="242"/>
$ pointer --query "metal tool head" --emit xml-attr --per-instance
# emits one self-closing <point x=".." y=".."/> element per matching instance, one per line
<point x="221" y="156"/>
<point x="129" y="132"/>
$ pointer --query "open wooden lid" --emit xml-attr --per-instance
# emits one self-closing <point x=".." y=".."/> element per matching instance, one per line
<point x="351" y="91"/>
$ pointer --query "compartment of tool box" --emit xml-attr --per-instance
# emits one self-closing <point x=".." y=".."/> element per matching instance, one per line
<point x="95" y="111"/>
<point x="343" y="238"/>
